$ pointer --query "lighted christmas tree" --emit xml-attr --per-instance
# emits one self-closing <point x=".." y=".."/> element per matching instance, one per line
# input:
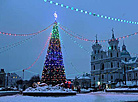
<point x="53" y="71"/>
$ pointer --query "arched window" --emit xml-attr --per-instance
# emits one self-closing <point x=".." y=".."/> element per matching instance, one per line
<point x="117" y="54"/>
<point x="93" y="67"/>
<point x="111" y="64"/>
<point x="102" y="66"/>
<point x="102" y="76"/>
<point x="118" y="65"/>
<point x="111" y="77"/>
<point x="111" y="54"/>
<point x="95" y="51"/>
<point x="101" y="56"/>
<point x="93" y="57"/>
<point x="112" y="47"/>
<point x="115" y="48"/>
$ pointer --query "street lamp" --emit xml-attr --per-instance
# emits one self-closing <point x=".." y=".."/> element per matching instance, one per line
<point x="98" y="83"/>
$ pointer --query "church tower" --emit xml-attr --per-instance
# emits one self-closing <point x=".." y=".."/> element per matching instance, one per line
<point x="125" y="56"/>
<point x="113" y="49"/>
<point x="97" y="63"/>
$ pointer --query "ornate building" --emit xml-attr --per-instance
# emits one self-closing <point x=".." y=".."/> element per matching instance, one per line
<point x="109" y="67"/>
<point x="2" y="78"/>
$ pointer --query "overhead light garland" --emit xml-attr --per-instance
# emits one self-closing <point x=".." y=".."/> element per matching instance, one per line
<point x="71" y="33"/>
<point x="40" y="53"/>
<point x="68" y="56"/>
<point x="75" y="35"/>
<point x="76" y="42"/>
<point x="91" y="13"/>
<point x="11" y="46"/>
<point x="11" y="34"/>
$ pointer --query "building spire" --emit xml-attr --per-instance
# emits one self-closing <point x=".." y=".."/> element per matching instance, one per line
<point x="123" y="42"/>
<point x="124" y="46"/>
<point x="113" y="33"/>
<point x="96" y="39"/>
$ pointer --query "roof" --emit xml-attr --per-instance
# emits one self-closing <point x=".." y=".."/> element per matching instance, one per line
<point x="84" y="77"/>
<point x="131" y="60"/>
<point x="125" y="52"/>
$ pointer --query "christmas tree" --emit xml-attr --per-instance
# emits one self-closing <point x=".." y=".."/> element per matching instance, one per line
<point x="53" y="70"/>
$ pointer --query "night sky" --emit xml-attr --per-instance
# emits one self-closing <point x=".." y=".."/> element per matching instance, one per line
<point x="28" y="16"/>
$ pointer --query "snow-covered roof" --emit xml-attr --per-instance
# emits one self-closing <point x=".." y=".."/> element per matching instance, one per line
<point x="131" y="61"/>
<point x="124" y="52"/>
<point x="84" y="77"/>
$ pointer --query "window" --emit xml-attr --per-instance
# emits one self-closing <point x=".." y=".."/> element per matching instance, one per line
<point x="112" y="47"/>
<point x="93" y="78"/>
<point x="102" y="76"/>
<point x="95" y="51"/>
<point x="117" y="54"/>
<point x="125" y="59"/>
<point x="93" y="67"/>
<point x="101" y="56"/>
<point x="118" y="64"/>
<point x="102" y="66"/>
<point x="93" y="57"/>
<point x="115" y="48"/>
<point x="136" y="74"/>
<point x="98" y="51"/>
<point x="111" y="64"/>
<point x="111" y="77"/>
<point x="111" y="54"/>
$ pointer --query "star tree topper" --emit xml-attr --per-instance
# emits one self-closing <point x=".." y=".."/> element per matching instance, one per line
<point x="55" y="15"/>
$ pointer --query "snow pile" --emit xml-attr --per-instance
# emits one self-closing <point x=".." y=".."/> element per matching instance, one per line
<point x="49" y="88"/>
<point x="124" y="89"/>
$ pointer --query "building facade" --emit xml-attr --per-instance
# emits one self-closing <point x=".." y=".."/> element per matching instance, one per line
<point x="109" y="67"/>
<point x="83" y="81"/>
<point x="11" y="79"/>
<point x="2" y="78"/>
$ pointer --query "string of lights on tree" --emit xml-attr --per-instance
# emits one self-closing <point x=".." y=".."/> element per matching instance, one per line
<point x="53" y="70"/>
<point x="40" y="53"/>
<point x="68" y="56"/>
<point x="91" y="13"/>
<point x="85" y="39"/>
<point x="11" y="34"/>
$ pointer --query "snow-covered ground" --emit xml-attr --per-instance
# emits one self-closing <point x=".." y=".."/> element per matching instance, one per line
<point x="89" y="97"/>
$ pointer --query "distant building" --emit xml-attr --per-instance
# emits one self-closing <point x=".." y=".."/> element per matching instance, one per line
<point x="2" y="78"/>
<point x="11" y="79"/>
<point x="83" y="81"/>
<point x="109" y="67"/>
